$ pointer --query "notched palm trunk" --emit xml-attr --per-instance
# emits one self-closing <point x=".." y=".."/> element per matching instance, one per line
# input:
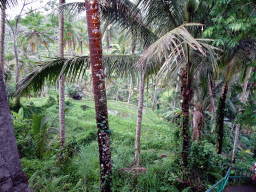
<point x="187" y="94"/>
<point x="220" y="118"/>
<point x="93" y="23"/>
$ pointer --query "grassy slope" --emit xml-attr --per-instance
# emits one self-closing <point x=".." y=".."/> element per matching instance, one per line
<point x="81" y="126"/>
<point x="156" y="134"/>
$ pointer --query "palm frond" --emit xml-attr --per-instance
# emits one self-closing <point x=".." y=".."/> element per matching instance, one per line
<point x="127" y="15"/>
<point x="74" y="8"/>
<point x="8" y="3"/>
<point x="170" y="54"/>
<point x="163" y="15"/>
<point x="244" y="53"/>
<point x="73" y="69"/>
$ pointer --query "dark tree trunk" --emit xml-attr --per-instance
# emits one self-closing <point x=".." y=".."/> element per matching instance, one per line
<point x="245" y="95"/>
<point x="95" y="46"/>
<point x="187" y="95"/>
<point x="2" y="31"/>
<point x="12" y="178"/>
<point x="220" y="118"/>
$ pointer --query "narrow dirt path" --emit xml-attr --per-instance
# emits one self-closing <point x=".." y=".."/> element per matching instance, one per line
<point x="243" y="188"/>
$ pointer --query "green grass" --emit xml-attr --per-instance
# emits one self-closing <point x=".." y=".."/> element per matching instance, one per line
<point x="156" y="139"/>
<point x="156" y="133"/>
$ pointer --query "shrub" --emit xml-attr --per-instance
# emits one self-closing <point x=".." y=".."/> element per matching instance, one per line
<point x="50" y="102"/>
<point x="75" y="92"/>
<point x="87" y="137"/>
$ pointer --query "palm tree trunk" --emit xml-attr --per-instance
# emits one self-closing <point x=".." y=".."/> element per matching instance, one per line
<point x="198" y="124"/>
<point x="244" y="98"/>
<point x="154" y="104"/>
<point x="61" y="81"/>
<point x="130" y="91"/>
<point x="10" y="168"/>
<point x="220" y="118"/>
<point x="139" y="119"/>
<point x="17" y="102"/>
<point x="187" y="95"/>
<point x="2" y="32"/>
<point x="81" y="44"/>
<point x="213" y="107"/>
<point x="95" y="46"/>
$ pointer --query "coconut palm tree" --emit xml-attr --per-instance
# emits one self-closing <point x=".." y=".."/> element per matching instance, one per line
<point x="169" y="51"/>
<point x="62" y="80"/>
<point x="244" y="53"/>
<point x="233" y="33"/>
<point x="95" y="46"/>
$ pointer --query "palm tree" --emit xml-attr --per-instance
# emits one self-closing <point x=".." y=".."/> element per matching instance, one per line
<point x="170" y="51"/>
<point x="2" y="33"/>
<point x="61" y="81"/>
<point x="244" y="97"/>
<point x="37" y="33"/>
<point x="127" y="14"/>
<point x="95" y="46"/>
<point x="11" y="171"/>
<point x="242" y="55"/>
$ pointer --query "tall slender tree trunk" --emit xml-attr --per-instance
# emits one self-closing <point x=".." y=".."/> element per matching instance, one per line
<point x="198" y="124"/>
<point x="61" y="81"/>
<point x="130" y="91"/>
<point x="81" y="44"/>
<point x="187" y="95"/>
<point x="17" y="102"/>
<point x="244" y="98"/>
<point x="220" y="118"/>
<point x="95" y="46"/>
<point x="12" y="178"/>
<point x="154" y="104"/>
<point x="139" y="119"/>
<point x="2" y="33"/>
<point x="213" y="105"/>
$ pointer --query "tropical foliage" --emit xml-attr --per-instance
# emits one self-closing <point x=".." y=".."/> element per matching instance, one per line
<point x="178" y="78"/>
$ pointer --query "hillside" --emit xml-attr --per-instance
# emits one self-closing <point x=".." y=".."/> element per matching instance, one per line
<point x="82" y="166"/>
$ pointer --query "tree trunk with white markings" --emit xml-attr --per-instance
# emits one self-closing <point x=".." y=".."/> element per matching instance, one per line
<point x="95" y="46"/>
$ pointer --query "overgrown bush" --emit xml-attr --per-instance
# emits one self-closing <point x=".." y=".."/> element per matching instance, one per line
<point x="74" y="91"/>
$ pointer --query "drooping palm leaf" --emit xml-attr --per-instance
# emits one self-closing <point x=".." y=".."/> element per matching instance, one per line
<point x="127" y="15"/>
<point x="243" y="53"/>
<point x="73" y="69"/>
<point x="122" y="12"/>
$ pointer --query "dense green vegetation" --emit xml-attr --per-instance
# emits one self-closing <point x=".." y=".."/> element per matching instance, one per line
<point x="79" y="169"/>
<point x="185" y="69"/>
